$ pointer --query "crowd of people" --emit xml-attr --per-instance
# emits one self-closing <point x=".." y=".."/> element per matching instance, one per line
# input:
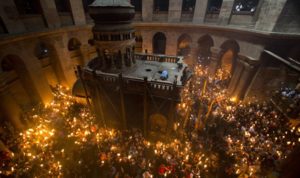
<point x="218" y="137"/>
<point x="288" y="100"/>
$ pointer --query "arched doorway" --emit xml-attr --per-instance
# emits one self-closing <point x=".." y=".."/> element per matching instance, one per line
<point x="184" y="45"/>
<point x="17" y="81"/>
<point x="42" y="52"/>
<point x="75" y="53"/>
<point x="204" y="44"/>
<point x="16" y="94"/>
<point x="159" y="43"/>
<point x="229" y="57"/>
<point x="227" y="61"/>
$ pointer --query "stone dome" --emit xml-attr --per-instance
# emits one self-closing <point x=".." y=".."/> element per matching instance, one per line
<point x="110" y="3"/>
<point x="111" y="11"/>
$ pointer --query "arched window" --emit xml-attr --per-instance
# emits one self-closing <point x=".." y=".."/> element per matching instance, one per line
<point x="188" y="6"/>
<point x="214" y="6"/>
<point x="22" y="89"/>
<point x="28" y="6"/>
<point x="137" y="5"/>
<point x="161" y="5"/>
<point x="204" y="44"/>
<point x="91" y="42"/>
<point x="245" y="6"/>
<point x="184" y="45"/>
<point x="74" y="44"/>
<point x="228" y="60"/>
<point x="41" y="51"/>
<point x="159" y="43"/>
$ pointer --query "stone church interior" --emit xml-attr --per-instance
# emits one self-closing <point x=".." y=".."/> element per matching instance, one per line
<point x="150" y="88"/>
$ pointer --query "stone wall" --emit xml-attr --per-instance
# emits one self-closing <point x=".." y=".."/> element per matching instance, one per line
<point x="270" y="15"/>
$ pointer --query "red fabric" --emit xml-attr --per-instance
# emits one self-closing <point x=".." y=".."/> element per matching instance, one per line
<point x="162" y="169"/>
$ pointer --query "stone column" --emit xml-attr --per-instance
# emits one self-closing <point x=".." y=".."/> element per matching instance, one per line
<point x="239" y="67"/>
<point x="147" y="41"/>
<point x="200" y="11"/>
<point x="77" y="12"/>
<point x="175" y="7"/>
<point x="269" y="14"/>
<point x="225" y="12"/>
<point x="147" y="10"/>
<point x="245" y="80"/>
<point x="60" y="62"/>
<point x="171" y="43"/>
<point x="50" y="13"/>
<point x="216" y="54"/>
<point x="34" y="76"/>
<point x="11" y="109"/>
<point x="192" y="58"/>
<point x="10" y="17"/>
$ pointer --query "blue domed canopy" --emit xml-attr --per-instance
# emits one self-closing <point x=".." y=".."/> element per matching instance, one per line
<point x="110" y="3"/>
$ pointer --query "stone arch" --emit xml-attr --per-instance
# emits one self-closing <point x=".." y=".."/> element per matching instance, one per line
<point x="159" y="43"/>
<point x="184" y="45"/>
<point x="205" y="42"/>
<point x="41" y="50"/>
<point x="230" y="49"/>
<point x="18" y="80"/>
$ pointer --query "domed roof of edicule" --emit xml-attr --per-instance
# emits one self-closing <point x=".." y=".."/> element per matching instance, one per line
<point x="109" y="3"/>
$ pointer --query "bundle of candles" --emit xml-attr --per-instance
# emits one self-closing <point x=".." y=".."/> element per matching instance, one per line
<point x="223" y="137"/>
